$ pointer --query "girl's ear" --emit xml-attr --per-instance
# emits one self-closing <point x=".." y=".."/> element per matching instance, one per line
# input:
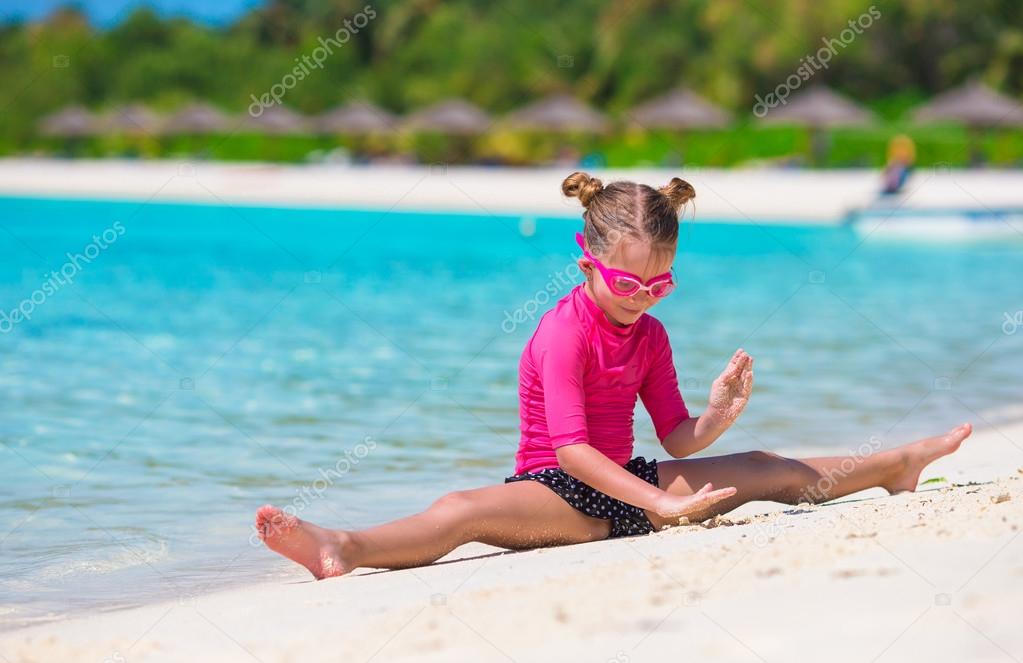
<point x="586" y="267"/>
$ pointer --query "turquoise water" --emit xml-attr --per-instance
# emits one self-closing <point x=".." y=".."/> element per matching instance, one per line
<point x="358" y="364"/>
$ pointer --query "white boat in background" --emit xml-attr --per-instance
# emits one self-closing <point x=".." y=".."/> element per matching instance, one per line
<point x="978" y="224"/>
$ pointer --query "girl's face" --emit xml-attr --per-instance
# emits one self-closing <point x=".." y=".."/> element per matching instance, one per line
<point x="630" y="255"/>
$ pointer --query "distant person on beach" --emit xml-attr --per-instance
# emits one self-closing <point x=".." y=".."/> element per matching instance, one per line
<point x="589" y="360"/>
<point x="901" y="157"/>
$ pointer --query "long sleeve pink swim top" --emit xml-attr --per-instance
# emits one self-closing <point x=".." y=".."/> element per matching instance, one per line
<point x="579" y="377"/>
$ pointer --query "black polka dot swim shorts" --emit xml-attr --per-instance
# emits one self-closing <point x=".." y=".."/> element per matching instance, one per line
<point x="626" y="519"/>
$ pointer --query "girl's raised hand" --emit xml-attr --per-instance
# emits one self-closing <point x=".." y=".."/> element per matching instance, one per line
<point x="675" y="506"/>
<point x="731" y="390"/>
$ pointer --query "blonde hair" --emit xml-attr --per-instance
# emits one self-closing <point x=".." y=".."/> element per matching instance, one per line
<point x="627" y="209"/>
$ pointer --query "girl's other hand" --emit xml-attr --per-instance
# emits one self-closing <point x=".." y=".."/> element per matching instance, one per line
<point x="675" y="506"/>
<point x="731" y="390"/>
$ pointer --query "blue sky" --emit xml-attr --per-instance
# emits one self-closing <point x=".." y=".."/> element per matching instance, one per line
<point x="107" y="12"/>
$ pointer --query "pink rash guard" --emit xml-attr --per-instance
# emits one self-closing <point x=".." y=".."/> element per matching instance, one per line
<point x="579" y="377"/>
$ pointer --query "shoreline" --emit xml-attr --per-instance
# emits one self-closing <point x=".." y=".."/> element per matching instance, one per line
<point x="947" y="556"/>
<point x="753" y="196"/>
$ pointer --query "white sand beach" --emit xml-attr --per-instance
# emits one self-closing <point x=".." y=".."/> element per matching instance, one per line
<point x="934" y="575"/>
<point x="735" y="195"/>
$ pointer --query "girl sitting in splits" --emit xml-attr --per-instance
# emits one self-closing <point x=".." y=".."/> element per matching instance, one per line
<point x="580" y="374"/>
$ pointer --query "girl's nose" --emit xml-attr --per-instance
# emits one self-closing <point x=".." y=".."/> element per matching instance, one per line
<point x="641" y="299"/>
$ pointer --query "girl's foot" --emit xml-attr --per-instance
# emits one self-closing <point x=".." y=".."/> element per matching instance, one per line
<point x="319" y="550"/>
<point x="914" y="457"/>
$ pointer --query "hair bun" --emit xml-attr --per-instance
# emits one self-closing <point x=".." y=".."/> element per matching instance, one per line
<point x="678" y="191"/>
<point x="582" y="186"/>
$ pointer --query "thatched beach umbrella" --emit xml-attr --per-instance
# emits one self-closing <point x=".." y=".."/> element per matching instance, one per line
<point x="679" y="109"/>
<point x="356" y="118"/>
<point x="73" y="124"/>
<point x="453" y="116"/>
<point x="278" y="120"/>
<point x="133" y="119"/>
<point x="70" y="122"/>
<point x="197" y="118"/>
<point x="558" y="112"/>
<point x="819" y="108"/>
<point x="973" y="104"/>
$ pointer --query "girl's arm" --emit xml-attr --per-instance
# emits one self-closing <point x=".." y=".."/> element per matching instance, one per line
<point x="598" y="471"/>
<point x="692" y="435"/>
<point x="728" y="397"/>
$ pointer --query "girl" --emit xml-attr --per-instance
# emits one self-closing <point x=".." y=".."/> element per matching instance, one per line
<point x="579" y="377"/>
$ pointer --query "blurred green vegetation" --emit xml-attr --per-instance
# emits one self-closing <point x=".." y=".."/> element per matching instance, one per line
<point x="741" y="145"/>
<point x="500" y="55"/>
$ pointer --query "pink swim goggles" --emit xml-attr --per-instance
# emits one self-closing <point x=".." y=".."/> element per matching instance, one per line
<point x="626" y="284"/>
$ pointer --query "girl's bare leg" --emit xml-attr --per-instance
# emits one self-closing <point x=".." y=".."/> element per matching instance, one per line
<point x="760" y="475"/>
<point x="526" y="514"/>
<point x="516" y="515"/>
